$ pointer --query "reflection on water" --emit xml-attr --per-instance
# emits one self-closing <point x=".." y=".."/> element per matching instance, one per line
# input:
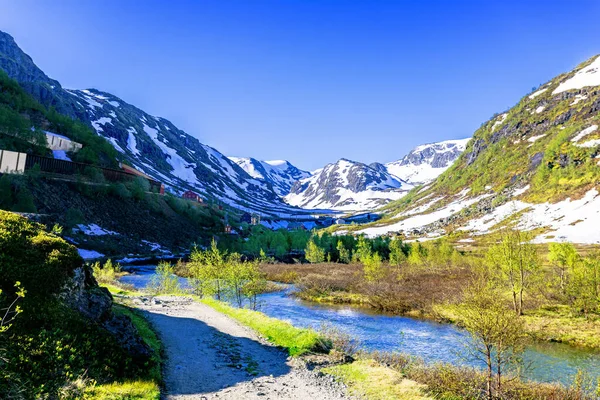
<point x="433" y="342"/>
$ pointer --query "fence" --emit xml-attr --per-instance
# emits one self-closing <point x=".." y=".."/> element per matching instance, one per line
<point x="12" y="162"/>
<point x="54" y="166"/>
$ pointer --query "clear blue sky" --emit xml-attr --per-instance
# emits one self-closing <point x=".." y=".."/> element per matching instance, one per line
<point x="309" y="81"/>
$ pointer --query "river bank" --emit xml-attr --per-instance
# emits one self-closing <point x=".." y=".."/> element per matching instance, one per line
<point x="427" y="339"/>
<point x="431" y="295"/>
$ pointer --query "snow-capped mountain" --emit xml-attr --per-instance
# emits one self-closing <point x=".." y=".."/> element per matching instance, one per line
<point x="426" y="162"/>
<point x="347" y="186"/>
<point x="280" y="174"/>
<point x="151" y="144"/>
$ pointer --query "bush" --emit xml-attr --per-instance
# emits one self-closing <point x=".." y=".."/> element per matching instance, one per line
<point x="39" y="260"/>
<point x="73" y="217"/>
<point x="106" y="273"/>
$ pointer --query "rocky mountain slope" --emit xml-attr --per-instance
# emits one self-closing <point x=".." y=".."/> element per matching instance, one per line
<point x="280" y="174"/>
<point x="347" y="186"/>
<point x="151" y="144"/>
<point x="426" y="162"/>
<point x="534" y="166"/>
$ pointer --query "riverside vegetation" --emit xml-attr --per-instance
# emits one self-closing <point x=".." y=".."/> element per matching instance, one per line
<point x="487" y="310"/>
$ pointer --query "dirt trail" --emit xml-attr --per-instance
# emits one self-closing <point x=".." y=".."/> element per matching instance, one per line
<point x="211" y="356"/>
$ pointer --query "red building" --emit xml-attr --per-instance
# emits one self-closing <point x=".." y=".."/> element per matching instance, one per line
<point x="189" y="195"/>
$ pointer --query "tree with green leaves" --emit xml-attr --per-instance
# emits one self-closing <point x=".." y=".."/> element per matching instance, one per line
<point x="516" y="263"/>
<point x="583" y="288"/>
<point x="313" y="253"/>
<point x="372" y="267"/>
<point x="496" y="332"/>
<point x="343" y="253"/>
<point x="397" y="256"/>
<point x="564" y="257"/>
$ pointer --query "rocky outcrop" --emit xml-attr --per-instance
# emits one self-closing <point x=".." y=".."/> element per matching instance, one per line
<point x="83" y="294"/>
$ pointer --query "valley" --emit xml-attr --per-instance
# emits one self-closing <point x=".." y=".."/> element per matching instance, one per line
<point x="139" y="262"/>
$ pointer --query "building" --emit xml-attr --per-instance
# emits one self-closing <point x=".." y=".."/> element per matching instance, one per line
<point x="60" y="142"/>
<point x="255" y="219"/>
<point x="189" y="195"/>
<point x="12" y="162"/>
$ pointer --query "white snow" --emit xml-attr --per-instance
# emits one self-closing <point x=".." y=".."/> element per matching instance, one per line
<point x="343" y="198"/>
<point x="589" y="143"/>
<point x="520" y="191"/>
<point x="578" y="98"/>
<point x="114" y="103"/>
<point x="535" y="138"/>
<point x="584" y="133"/>
<point x="89" y="254"/>
<point x="536" y="94"/>
<point x="181" y="168"/>
<point x="61" y="155"/>
<point x="131" y="141"/>
<point x="93" y="230"/>
<point x="539" y="109"/>
<point x="588" y="76"/>
<point x="102" y="121"/>
<point x="571" y="220"/>
<point x="424" y="172"/>
<point x="499" y="121"/>
<point x="420" y="220"/>
<point x="116" y="144"/>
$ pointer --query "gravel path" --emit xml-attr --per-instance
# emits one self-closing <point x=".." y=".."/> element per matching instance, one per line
<point x="210" y="356"/>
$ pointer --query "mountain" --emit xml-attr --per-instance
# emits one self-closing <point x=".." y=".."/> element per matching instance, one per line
<point x="347" y="186"/>
<point x="151" y="144"/>
<point x="535" y="166"/>
<point x="426" y="162"/>
<point x="280" y="174"/>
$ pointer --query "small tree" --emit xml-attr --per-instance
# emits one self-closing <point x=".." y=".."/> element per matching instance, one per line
<point x="496" y="332"/>
<point x="208" y="269"/>
<point x="517" y="263"/>
<point x="397" y="256"/>
<point x="372" y="267"/>
<point x="165" y="281"/>
<point x="563" y="256"/>
<point x="343" y="253"/>
<point x="584" y="286"/>
<point x="313" y="253"/>
<point x="363" y="250"/>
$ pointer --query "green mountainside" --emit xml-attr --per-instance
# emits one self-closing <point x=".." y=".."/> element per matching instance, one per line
<point x="545" y="149"/>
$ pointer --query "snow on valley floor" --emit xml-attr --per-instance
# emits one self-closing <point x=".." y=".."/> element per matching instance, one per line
<point x="568" y="220"/>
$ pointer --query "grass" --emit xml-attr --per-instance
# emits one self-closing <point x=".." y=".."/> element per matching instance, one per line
<point x="297" y="341"/>
<point x="368" y="379"/>
<point x="145" y="388"/>
<point x="120" y="290"/>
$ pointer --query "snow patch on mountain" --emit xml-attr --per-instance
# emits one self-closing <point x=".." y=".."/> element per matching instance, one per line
<point x="426" y="162"/>
<point x="587" y="76"/>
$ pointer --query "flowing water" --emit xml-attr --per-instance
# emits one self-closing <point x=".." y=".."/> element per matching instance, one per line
<point x="431" y="341"/>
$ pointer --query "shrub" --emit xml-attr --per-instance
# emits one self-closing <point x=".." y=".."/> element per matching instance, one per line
<point x="41" y="261"/>
<point x="73" y="217"/>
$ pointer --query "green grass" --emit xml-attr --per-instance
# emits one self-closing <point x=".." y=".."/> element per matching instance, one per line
<point x="368" y="379"/>
<point x="296" y="340"/>
<point x="117" y="290"/>
<point x="145" y="388"/>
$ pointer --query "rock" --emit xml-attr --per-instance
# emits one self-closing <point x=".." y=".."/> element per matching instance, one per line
<point x="83" y="294"/>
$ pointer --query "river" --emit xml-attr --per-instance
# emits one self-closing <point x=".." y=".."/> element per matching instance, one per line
<point x="431" y="341"/>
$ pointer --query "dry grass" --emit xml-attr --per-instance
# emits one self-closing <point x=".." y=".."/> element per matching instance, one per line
<point x="403" y="290"/>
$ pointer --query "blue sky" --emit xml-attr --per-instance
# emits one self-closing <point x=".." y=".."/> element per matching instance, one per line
<point x="309" y="81"/>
